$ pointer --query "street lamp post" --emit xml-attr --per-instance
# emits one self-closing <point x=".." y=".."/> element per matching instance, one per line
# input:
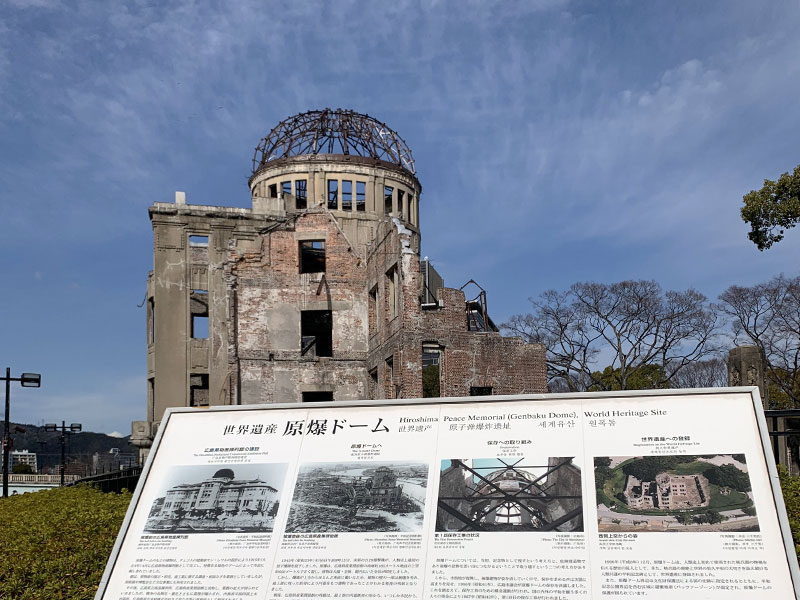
<point x="65" y="431"/>
<point x="26" y="380"/>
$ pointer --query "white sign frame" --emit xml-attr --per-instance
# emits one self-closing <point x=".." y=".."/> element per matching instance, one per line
<point x="633" y="396"/>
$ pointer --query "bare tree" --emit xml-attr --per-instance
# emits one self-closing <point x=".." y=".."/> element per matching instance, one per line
<point x="768" y="316"/>
<point x="712" y="372"/>
<point x="623" y="327"/>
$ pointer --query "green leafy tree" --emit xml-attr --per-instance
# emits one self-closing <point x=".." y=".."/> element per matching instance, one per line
<point x="22" y="469"/>
<point x="728" y="476"/>
<point x="684" y="518"/>
<point x="646" y="469"/>
<point x="772" y="209"/>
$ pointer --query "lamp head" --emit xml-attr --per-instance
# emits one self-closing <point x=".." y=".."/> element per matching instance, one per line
<point x="31" y="380"/>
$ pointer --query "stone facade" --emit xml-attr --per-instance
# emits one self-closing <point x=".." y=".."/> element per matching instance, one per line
<point x="315" y="293"/>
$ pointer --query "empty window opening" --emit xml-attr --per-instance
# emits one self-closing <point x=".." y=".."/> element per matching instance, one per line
<point x="317" y="396"/>
<point x="198" y="302"/>
<point x="300" y="194"/>
<point x="400" y="199"/>
<point x="389" y="385"/>
<point x="198" y="389"/>
<point x="312" y="256"/>
<point x="373" y="383"/>
<point x="333" y="194"/>
<point x="198" y="241"/>
<point x="392" y="293"/>
<point x="361" y="196"/>
<point x="387" y="200"/>
<point x="316" y="333"/>
<point x="273" y="190"/>
<point x="151" y="398"/>
<point x="431" y="370"/>
<point x="151" y="320"/>
<point x="347" y="195"/>
<point x="480" y="391"/>
<point x="373" y="311"/>
<point x="199" y="327"/>
<point x="286" y="188"/>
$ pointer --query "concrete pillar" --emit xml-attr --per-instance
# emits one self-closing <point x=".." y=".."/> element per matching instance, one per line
<point x="746" y="367"/>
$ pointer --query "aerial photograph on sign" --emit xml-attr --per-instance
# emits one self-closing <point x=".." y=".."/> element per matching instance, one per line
<point x="218" y="499"/>
<point x="359" y="497"/>
<point x="505" y="494"/>
<point x="708" y="492"/>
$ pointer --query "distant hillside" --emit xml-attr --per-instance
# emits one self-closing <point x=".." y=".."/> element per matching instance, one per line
<point x="80" y="446"/>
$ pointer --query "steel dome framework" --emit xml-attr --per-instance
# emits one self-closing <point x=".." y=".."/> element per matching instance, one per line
<point x="336" y="132"/>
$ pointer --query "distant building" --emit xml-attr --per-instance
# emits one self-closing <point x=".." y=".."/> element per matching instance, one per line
<point x="23" y="457"/>
<point x="221" y="492"/>
<point x="113" y="460"/>
<point x="667" y="492"/>
<point x="318" y="292"/>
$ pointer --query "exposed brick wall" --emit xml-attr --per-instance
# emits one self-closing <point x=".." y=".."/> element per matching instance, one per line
<point x="269" y="294"/>
<point x="470" y="359"/>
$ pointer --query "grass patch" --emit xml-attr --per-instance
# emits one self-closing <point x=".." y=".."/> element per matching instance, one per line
<point x="56" y="543"/>
<point x="730" y="502"/>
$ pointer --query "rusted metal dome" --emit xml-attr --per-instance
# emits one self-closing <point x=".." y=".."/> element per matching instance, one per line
<point x="333" y="132"/>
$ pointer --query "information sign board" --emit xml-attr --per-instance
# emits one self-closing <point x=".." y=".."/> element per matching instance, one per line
<point x="613" y="495"/>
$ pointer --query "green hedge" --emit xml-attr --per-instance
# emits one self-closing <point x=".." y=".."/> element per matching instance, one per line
<point x="55" y="543"/>
<point x="791" y="495"/>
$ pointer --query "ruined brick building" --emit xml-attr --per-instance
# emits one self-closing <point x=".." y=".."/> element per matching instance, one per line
<point x="317" y="292"/>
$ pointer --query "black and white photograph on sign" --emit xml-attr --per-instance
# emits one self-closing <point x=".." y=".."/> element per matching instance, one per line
<point x="359" y="497"/>
<point x="707" y="492"/>
<point x="505" y="494"/>
<point x="218" y="499"/>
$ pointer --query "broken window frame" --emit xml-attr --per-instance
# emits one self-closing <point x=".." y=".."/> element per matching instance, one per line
<point x="434" y="352"/>
<point x="151" y="398"/>
<point x="347" y="194"/>
<point x="372" y="311"/>
<point x="400" y="197"/>
<point x="333" y="194"/>
<point x="388" y="194"/>
<point x="198" y="240"/>
<point x="151" y="321"/>
<point x="311" y="256"/>
<point x="196" y="400"/>
<point x="200" y="325"/>
<point x="389" y="377"/>
<point x="286" y="188"/>
<point x="199" y="318"/>
<point x="392" y="293"/>
<point x="373" y="382"/>
<point x="361" y="196"/>
<point x="272" y="190"/>
<point x="317" y="396"/>
<point x="480" y="390"/>
<point x="316" y="333"/>
<point x="301" y="194"/>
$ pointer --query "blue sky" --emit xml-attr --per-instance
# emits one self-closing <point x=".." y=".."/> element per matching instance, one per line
<point x="556" y="141"/>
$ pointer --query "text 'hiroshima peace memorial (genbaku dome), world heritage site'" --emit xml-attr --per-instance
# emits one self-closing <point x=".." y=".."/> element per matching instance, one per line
<point x="317" y="292"/>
